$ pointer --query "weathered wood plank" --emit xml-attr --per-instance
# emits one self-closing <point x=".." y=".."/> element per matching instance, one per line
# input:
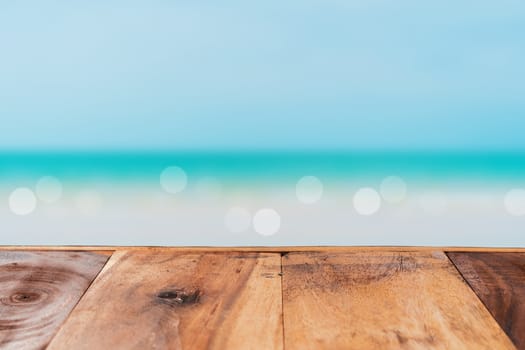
<point x="382" y="300"/>
<point x="37" y="292"/>
<point x="499" y="281"/>
<point x="165" y="300"/>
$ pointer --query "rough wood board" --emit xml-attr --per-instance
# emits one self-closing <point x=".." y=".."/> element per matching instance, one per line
<point x="37" y="292"/>
<point x="499" y="281"/>
<point x="382" y="300"/>
<point x="166" y="300"/>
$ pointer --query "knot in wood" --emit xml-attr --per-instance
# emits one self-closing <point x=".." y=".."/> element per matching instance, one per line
<point x="179" y="295"/>
<point x="24" y="297"/>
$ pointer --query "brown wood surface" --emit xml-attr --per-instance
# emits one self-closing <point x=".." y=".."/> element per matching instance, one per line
<point x="382" y="300"/>
<point x="37" y="292"/>
<point x="168" y="300"/>
<point x="234" y="298"/>
<point x="499" y="281"/>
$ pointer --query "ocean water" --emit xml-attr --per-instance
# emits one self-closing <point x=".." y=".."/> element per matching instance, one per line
<point x="263" y="198"/>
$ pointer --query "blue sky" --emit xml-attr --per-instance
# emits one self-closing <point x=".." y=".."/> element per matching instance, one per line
<point x="306" y="74"/>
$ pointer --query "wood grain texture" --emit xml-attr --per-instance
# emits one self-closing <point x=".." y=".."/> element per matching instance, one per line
<point x="382" y="300"/>
<point x="499" y="281"/>
<point x="37" y="292"/>
<point x="166" y="300"/>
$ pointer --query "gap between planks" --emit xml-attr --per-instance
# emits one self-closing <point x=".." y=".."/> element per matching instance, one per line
<point x="109" y="254"/>
<point x="281" y="274"/>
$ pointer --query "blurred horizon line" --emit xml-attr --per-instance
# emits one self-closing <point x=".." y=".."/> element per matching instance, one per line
<point x="265" y="151"/>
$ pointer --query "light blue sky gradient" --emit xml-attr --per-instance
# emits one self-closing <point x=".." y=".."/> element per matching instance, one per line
<point x="308" y="74"/>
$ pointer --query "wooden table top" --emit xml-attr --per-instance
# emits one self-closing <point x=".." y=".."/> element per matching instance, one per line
<point x="262" y="298"/>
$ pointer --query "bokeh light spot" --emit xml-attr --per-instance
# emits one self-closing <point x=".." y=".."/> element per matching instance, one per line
<point x="238" y="219"/>
<point x="367" y="201"/>
<point x="173" y="179"/>
<point x="393" y="189"/>
<point x="309" y="189"/>
<point x="22" y="201"/>
<point x="49" y="189"/>
<point x="266" y="222"/>
<point x="515" y="202"/>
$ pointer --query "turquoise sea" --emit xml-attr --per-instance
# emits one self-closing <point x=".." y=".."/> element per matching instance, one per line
<point x="475" y="168"/>
<point x="262" y="198"/>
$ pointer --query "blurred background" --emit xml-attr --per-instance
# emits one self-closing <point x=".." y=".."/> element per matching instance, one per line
<point x="270" y="123"/>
